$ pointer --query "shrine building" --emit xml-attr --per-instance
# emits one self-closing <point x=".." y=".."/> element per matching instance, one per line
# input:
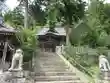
<point x="48" y="40"/>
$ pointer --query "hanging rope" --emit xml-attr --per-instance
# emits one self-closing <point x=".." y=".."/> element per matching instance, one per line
<point x="10" y="47"/>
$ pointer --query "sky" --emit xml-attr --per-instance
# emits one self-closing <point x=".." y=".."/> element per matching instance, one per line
<point x="13" y="3"/>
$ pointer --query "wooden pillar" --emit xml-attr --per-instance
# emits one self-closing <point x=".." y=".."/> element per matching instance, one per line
<point x="4" y="53"/>
<point x="43" y="47"/>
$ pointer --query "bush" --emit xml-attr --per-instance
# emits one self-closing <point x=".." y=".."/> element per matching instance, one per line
<point x="84" y="60"/>
<point x="27" y="38"/>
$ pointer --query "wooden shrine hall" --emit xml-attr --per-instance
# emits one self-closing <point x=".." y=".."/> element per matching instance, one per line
<point x="8" y="42"/>
<point x="48" y="40"/>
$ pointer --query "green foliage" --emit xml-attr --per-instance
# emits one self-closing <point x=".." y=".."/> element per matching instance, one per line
<point x="83" y="34"/>
<point x="102" y="38"/>
<point x="39" y="15"/>
<point x="97" y="20"/>
<point x="52" y="17"/>
<point x="78" y="31"/>
<point x="98" y="16"/>
<point x="14" y="18"/>
<point x="81" y="61"/>
<point x="28" y="40"/>
<point x="71" y="10"/>
<point x="86" y="60"/>
<point x="91" y="39"/>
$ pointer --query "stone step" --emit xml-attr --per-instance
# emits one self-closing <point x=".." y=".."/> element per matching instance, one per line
<point x="56" y="78"/>
<point x="49" y="61"/>
<point x="54" y="73"/>
<point x="51" y="65"/>
<point x="56" y="64"/>
<point x="52" y="68"/>
<point x="41" y="61"/>
<point x="43" y="70"/>
<point x="46" y="53"/>
<point x="72" y="81"/>
<point x="61" y="64"/>
<point x="49" y="57"/>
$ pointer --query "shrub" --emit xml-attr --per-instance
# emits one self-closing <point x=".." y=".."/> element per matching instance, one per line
<point x="28" y="40"/>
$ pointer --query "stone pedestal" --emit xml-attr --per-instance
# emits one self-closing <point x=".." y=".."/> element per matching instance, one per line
<point x="12" y="77"/>
<point x="104" y="77"/>
<point x="2" y="78"/>
<point x="17" y="74"/>
<point x="16" y="80"/>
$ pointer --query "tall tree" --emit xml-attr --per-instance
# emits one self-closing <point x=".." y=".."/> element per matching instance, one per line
<point x="68" y="11"/>
<point x="26" y="14"/>
<point x="71" y="11"/>
<point x="99" y="20"/>
<point x="52" y="15"/>
<point x="25" y="4"/>
<point x="98" y="16"/>
<point x="14" y="18"/>
<point x="36" y="12"/>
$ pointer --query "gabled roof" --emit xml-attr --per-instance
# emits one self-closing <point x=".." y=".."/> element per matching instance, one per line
<point x="6" y="29"/>
<point x="59" y="31"/>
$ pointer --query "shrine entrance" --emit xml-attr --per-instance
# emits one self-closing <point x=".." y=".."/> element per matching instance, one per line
<point x="48" y="40"/>
<point x="48" y="46"/>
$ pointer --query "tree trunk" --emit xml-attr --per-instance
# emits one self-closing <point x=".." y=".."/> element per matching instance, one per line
<point x="26" y="14"/>
<point x="4" y="53"/>
<point x="68" y="31"/>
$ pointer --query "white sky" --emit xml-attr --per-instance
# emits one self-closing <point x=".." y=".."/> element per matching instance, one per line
<point x="13" y="3"/>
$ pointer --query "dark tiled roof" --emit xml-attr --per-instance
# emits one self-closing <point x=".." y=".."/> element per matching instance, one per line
<point x="59" y="31"/>
<point x="5" y="29"/>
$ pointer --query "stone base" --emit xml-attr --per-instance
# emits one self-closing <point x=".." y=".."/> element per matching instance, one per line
<point x="2" y="78"/>
<point x="12" y="77"/>
<point x="104" y="77"/>
<point x="18" y="74"/>
<point x="17" y="80"/>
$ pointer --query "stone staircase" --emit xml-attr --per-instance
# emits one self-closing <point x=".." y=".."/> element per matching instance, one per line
<point x="50" y="68"/>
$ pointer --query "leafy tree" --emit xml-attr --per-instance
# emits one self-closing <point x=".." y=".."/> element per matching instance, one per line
<point x="37" y="13"/>
<point x="71" y="11"/>
<point x="14" y="18"/>
<point x="25" y="4"/>
<point x="26" y="14"/>
<point x="98" y="19"/>
<point x="68" y="11"/>
<point x="52" y="16"/>
<point x="98" y="16"/>
<point x="27" y="38"/>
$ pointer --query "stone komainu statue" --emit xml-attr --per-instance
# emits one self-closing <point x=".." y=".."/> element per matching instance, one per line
<point x="103" y="63"/>
<point x="18" y="56"/>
